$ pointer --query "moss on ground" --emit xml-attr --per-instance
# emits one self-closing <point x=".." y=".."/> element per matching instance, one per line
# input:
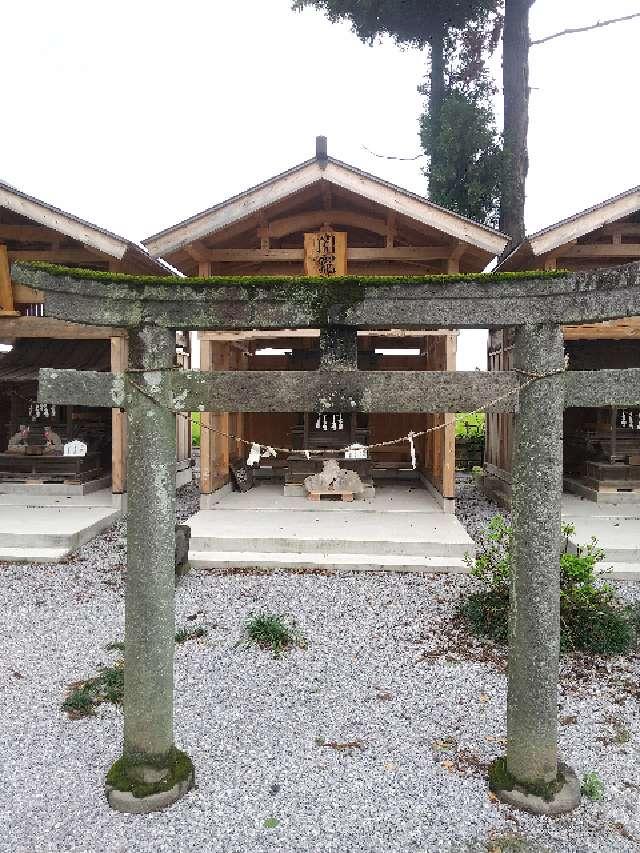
<point x="178" y="765"/>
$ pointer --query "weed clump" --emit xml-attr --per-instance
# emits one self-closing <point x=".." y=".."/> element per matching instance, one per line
<point x="184" y="634"/>
<point x="592" y="619"/>
<point x="592" y="786"/>
<point x="84" y="696"/>
<point x="270" y="631"/>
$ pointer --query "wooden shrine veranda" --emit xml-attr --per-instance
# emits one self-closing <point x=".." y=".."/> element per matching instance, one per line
<point x="537" y="390"/>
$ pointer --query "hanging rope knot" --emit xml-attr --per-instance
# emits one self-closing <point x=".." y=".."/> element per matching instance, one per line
<point x="534" y="377"/>
<point x="411" y="435"/>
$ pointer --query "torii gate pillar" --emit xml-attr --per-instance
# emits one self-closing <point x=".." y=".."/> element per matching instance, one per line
<point x="534" y="618"/>
<point x="151" y="774"/>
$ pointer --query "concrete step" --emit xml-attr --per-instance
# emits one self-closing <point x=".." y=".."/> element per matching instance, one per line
<point x="620" y="571"/>
<point x="255" y="560"/>
<point x="32" y="555"/>
<point x="387" y="535"/>
<point x="31" y="529"/>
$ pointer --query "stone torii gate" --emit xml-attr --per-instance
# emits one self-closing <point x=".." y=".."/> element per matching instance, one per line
<point x="152" y="773"/>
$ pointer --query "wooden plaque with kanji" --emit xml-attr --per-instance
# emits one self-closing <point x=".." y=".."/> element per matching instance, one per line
<point x="325" y="253"/>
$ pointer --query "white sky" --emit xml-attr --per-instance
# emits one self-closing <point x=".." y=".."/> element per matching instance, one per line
<point x="135" y="115"/>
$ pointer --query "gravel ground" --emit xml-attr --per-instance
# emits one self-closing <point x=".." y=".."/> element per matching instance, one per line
<point x="375" y="737"/>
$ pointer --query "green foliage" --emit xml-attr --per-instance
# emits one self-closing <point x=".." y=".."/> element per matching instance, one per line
<point x="465" y="157"/>
<point x="195" y="429"/>
<point x="271" y="823"/>
<point x="591" y="618"/>
<point x="84" y="696"/>
<point x="592" y="786"/>
<point x="469" y="425"/>
<point x="458" y="129"/>
<point x="269" y="631"/>
<point x="408" y="22"/>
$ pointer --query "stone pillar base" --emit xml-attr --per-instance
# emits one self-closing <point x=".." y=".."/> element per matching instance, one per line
<point x="561" y="801"/>
<point x="140" y="789"/>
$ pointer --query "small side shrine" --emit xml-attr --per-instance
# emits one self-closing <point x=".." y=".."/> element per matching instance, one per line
<point x="326" y="218"/>
<point x="601" y="445"/>
<point x="30" y="460"/>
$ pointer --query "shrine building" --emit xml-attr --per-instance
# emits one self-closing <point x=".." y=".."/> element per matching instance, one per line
<point x="325" y="217"/>
<point x="32" y="436"/>
<point x="601" y="445"/>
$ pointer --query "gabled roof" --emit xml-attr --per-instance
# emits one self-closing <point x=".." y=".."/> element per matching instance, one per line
<point x="323" y="168"/>
<point x="71" y="226"/>
<point x="576" y="226"/>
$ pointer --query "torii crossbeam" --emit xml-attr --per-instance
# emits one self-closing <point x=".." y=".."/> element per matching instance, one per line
<point x="538" y="390"/>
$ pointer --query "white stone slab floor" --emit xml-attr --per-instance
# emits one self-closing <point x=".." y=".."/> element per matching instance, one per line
<point x="46" y="528"/>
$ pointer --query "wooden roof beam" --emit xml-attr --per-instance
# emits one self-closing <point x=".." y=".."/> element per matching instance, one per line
<point x="393" y="253"/>
<point x="601" y="250"/>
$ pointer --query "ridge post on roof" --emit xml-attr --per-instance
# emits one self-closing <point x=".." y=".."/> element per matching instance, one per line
<point x="321" y="149"/>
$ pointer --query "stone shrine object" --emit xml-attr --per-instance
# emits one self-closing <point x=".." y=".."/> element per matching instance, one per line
<point x="333" y="480"/>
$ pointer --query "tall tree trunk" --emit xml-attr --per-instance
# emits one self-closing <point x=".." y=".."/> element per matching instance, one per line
<point x="436" y="100"/>
<point x="515" y="75"/>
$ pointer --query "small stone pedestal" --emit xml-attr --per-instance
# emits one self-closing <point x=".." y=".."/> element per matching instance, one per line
<point x="565" y="799"/>
<point x="142" y="788"/>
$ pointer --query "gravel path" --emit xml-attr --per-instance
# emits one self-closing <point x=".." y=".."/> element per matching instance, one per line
<point x="374" y="738"/>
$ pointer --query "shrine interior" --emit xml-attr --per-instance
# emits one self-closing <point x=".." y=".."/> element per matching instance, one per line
<point x="293" y="431"/>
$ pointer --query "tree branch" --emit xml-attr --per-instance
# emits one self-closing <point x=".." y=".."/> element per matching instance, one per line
<point x="595" y="26"/>
<point x="391" y="156"/>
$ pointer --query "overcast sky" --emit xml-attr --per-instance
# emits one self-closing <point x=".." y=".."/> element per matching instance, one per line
<point x="135" y="114"/>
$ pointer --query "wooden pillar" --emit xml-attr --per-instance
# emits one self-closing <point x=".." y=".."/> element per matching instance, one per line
<point x="207" y="450"/>
<point x="214" y="448"/>
<point x="449" y="432"/>
<point x="220" y="360"/>
<point x="6" y="288"/>
<point x="119" y="360"/>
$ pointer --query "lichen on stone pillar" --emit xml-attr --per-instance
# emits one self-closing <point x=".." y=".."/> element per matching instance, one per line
<point x="530" y="778"/>
<point x="151" y="773"/>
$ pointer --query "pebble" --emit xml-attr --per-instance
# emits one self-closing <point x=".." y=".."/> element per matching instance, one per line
<point x="374" y="738"/>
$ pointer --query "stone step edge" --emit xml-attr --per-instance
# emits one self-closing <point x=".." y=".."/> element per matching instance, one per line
<point x="309" y="560"/>
<point x="33" y="555"/>
<point x="420" y="549"/>
<point x="619" y="571"/>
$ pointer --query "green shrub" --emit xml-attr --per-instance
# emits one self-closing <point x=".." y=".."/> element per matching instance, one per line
<point x="470" y="424"/>
<point x="592" y="620"/>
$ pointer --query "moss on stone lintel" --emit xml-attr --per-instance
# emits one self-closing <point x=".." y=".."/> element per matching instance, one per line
<point x="266" y="281"/>
<point x="501" y="780"/>
<point x="177" y="763"/>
